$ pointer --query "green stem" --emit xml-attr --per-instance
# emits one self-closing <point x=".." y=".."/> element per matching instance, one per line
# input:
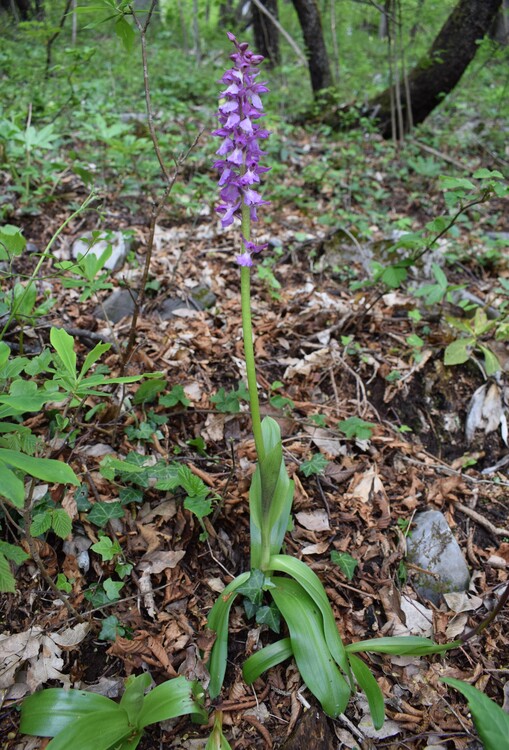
<point x="247" y="329"/>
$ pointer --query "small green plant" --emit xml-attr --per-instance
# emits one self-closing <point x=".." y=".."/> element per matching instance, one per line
<point x="491" y="721"/>
<point x="315" y="465"/>
<point x="464" y="347"/>
<point x="228" y="402"/>
<point x="356" y="428"/>
<point x="76" y="718"/>
<point x="345" y="562"/>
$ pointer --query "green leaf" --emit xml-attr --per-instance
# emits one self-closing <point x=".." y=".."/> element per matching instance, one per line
<point x="309" y="645"/>
<point x="99" y="732"/>
<point x="394" y="276"/>
<point x="174" y="397"/>
<point x="13" y="552"/>
<point x="201" y="506"/>
<point x="457" y="352"/>
<point x="106" y="547"/>
<point x="110" y="628"/>
<point x="101" y="513"/>
<point x="113" y="589"/>
<point x="61" y="523"/>
<point x="47" y="469"/>
<point x="41" y="523"/>
<point x="148" y="391"/>
<point x="401" y="645"/>
<point x="253" y="587"/>
<point x="11" y="486"/>
<point x="63" y="343"/>
<point x="218" y="622"/>
<point x="266" y="658"/>
<point x="172" y="698"/>
<point x="315" y="465"/>
<point x="125" y="32"/>
<point x="92" y="357"/>
<point x="314" y="588"/>
<point x="128" y="495"/>
<point x="491" y="722"/>
<point x="369" y="685"/>
<point x="346" y="563"/>
<point x="269" y="615"/>
<point x="11" y="240"/>
<point x="132" y="699"/>
<point x="486" y="174"/>
<point x="491" y="361"/>
<point x="456" y="183"/>
<point x="51" y="711"/>
<point x="7" y="580"/>
<point x="355" y="427"/>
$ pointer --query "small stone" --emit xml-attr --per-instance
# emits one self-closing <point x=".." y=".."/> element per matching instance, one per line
<point x="97" y="242"/>
<point x="433" y="548"/>
<point x="118" y="305"/>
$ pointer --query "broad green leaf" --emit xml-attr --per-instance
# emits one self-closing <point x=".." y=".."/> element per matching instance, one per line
<point x="309" y="645"/>
<point x="218" y="621"/>
<point x="134" y="693"/>
<point x="41" y="523"/>
<point x="63" y="343"/>
<point x="355" y="427"/>
<point x="370" y="687"/>
<point x="491" y="361"/>
<point x="268" y="657"/>
<point x="315" y="465"/>
<point x="50" y="711"/>
<point x="92" y="357"/>
<point x="101" y="513"/>
<point x="107" y="548"/>
<point x="11" y="240"/>
<point x="345" y="562"/>
<point x="491" y="722"/>
<point x="125" y="32"/>
<point x="113" y="589"/>
<point x="172" y="698"/>
<point x="314" y="588"/>
<point x="11" y="486"/>
<point x="457" y="352"/>
<point x="149" y="390"/>
<point x="174" y="397"/>
<point x="394" y="276"/>
<point x="61" y="523"/>
<point x="7" y="580"/>
<point x="101" y="731"/>
<point x="456" y="183"/>
<point x="47" y="469"/>
<point x="13" y="552"/>
<point x="486" y="174"/>
<point x="401" y="645"/>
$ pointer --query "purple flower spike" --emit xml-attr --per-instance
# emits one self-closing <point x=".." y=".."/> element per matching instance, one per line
<point x="239" y="168"/>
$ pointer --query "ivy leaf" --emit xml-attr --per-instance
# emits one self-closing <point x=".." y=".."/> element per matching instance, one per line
<point x="106" y="548"/>
<point x="128" y="495"/>
<point x="346" y="563"/>
<point x="253" y="587"/>
<point x="101" y="513"/>
<point x="355" y="427"/>
<point x="269" y="616"/>
<point x="315" y="465"/>
<point x="112" y="589"/>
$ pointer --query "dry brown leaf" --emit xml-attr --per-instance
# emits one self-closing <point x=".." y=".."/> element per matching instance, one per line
<point x="156" y="562"/>
<point x="315" y="520"/>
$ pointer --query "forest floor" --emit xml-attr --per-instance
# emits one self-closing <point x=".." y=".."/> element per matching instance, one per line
<point x="322" y="349"/>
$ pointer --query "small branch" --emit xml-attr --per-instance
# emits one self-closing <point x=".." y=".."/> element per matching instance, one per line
<point x="293" y="44"/>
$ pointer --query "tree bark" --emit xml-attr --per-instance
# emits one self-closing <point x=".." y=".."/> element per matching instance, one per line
<point x="441" y="69"/>
<point x="318" y="59"/>
<point x="266" y="35"/>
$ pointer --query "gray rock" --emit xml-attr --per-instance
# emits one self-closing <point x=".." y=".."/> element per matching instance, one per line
<point x="118" y="305"/>
<point x="97" y="242"/>
<point x="432" y="547"/>
<point x="201" y="298"/>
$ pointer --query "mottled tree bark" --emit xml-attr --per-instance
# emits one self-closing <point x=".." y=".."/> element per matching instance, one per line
<point x="318" y="59"/>
<point x="440" y="70"/>
<point x="266" y="35"/>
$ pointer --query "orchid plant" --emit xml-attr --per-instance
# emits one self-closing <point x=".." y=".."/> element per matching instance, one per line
<point x="329" y="669"/>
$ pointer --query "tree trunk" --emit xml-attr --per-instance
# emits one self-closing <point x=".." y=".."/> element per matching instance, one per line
<point x="318" y="59"/>
<point x="438" y="73"/>
<point x="266" y="35"/>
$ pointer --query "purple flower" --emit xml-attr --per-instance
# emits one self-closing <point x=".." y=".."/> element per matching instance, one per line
<point x="239" y="168"/>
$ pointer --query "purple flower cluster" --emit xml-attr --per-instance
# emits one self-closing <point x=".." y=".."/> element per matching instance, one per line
<point x="240" y="151"/>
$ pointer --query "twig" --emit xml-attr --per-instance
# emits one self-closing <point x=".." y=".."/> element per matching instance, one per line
<point x="495" y="530"/>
